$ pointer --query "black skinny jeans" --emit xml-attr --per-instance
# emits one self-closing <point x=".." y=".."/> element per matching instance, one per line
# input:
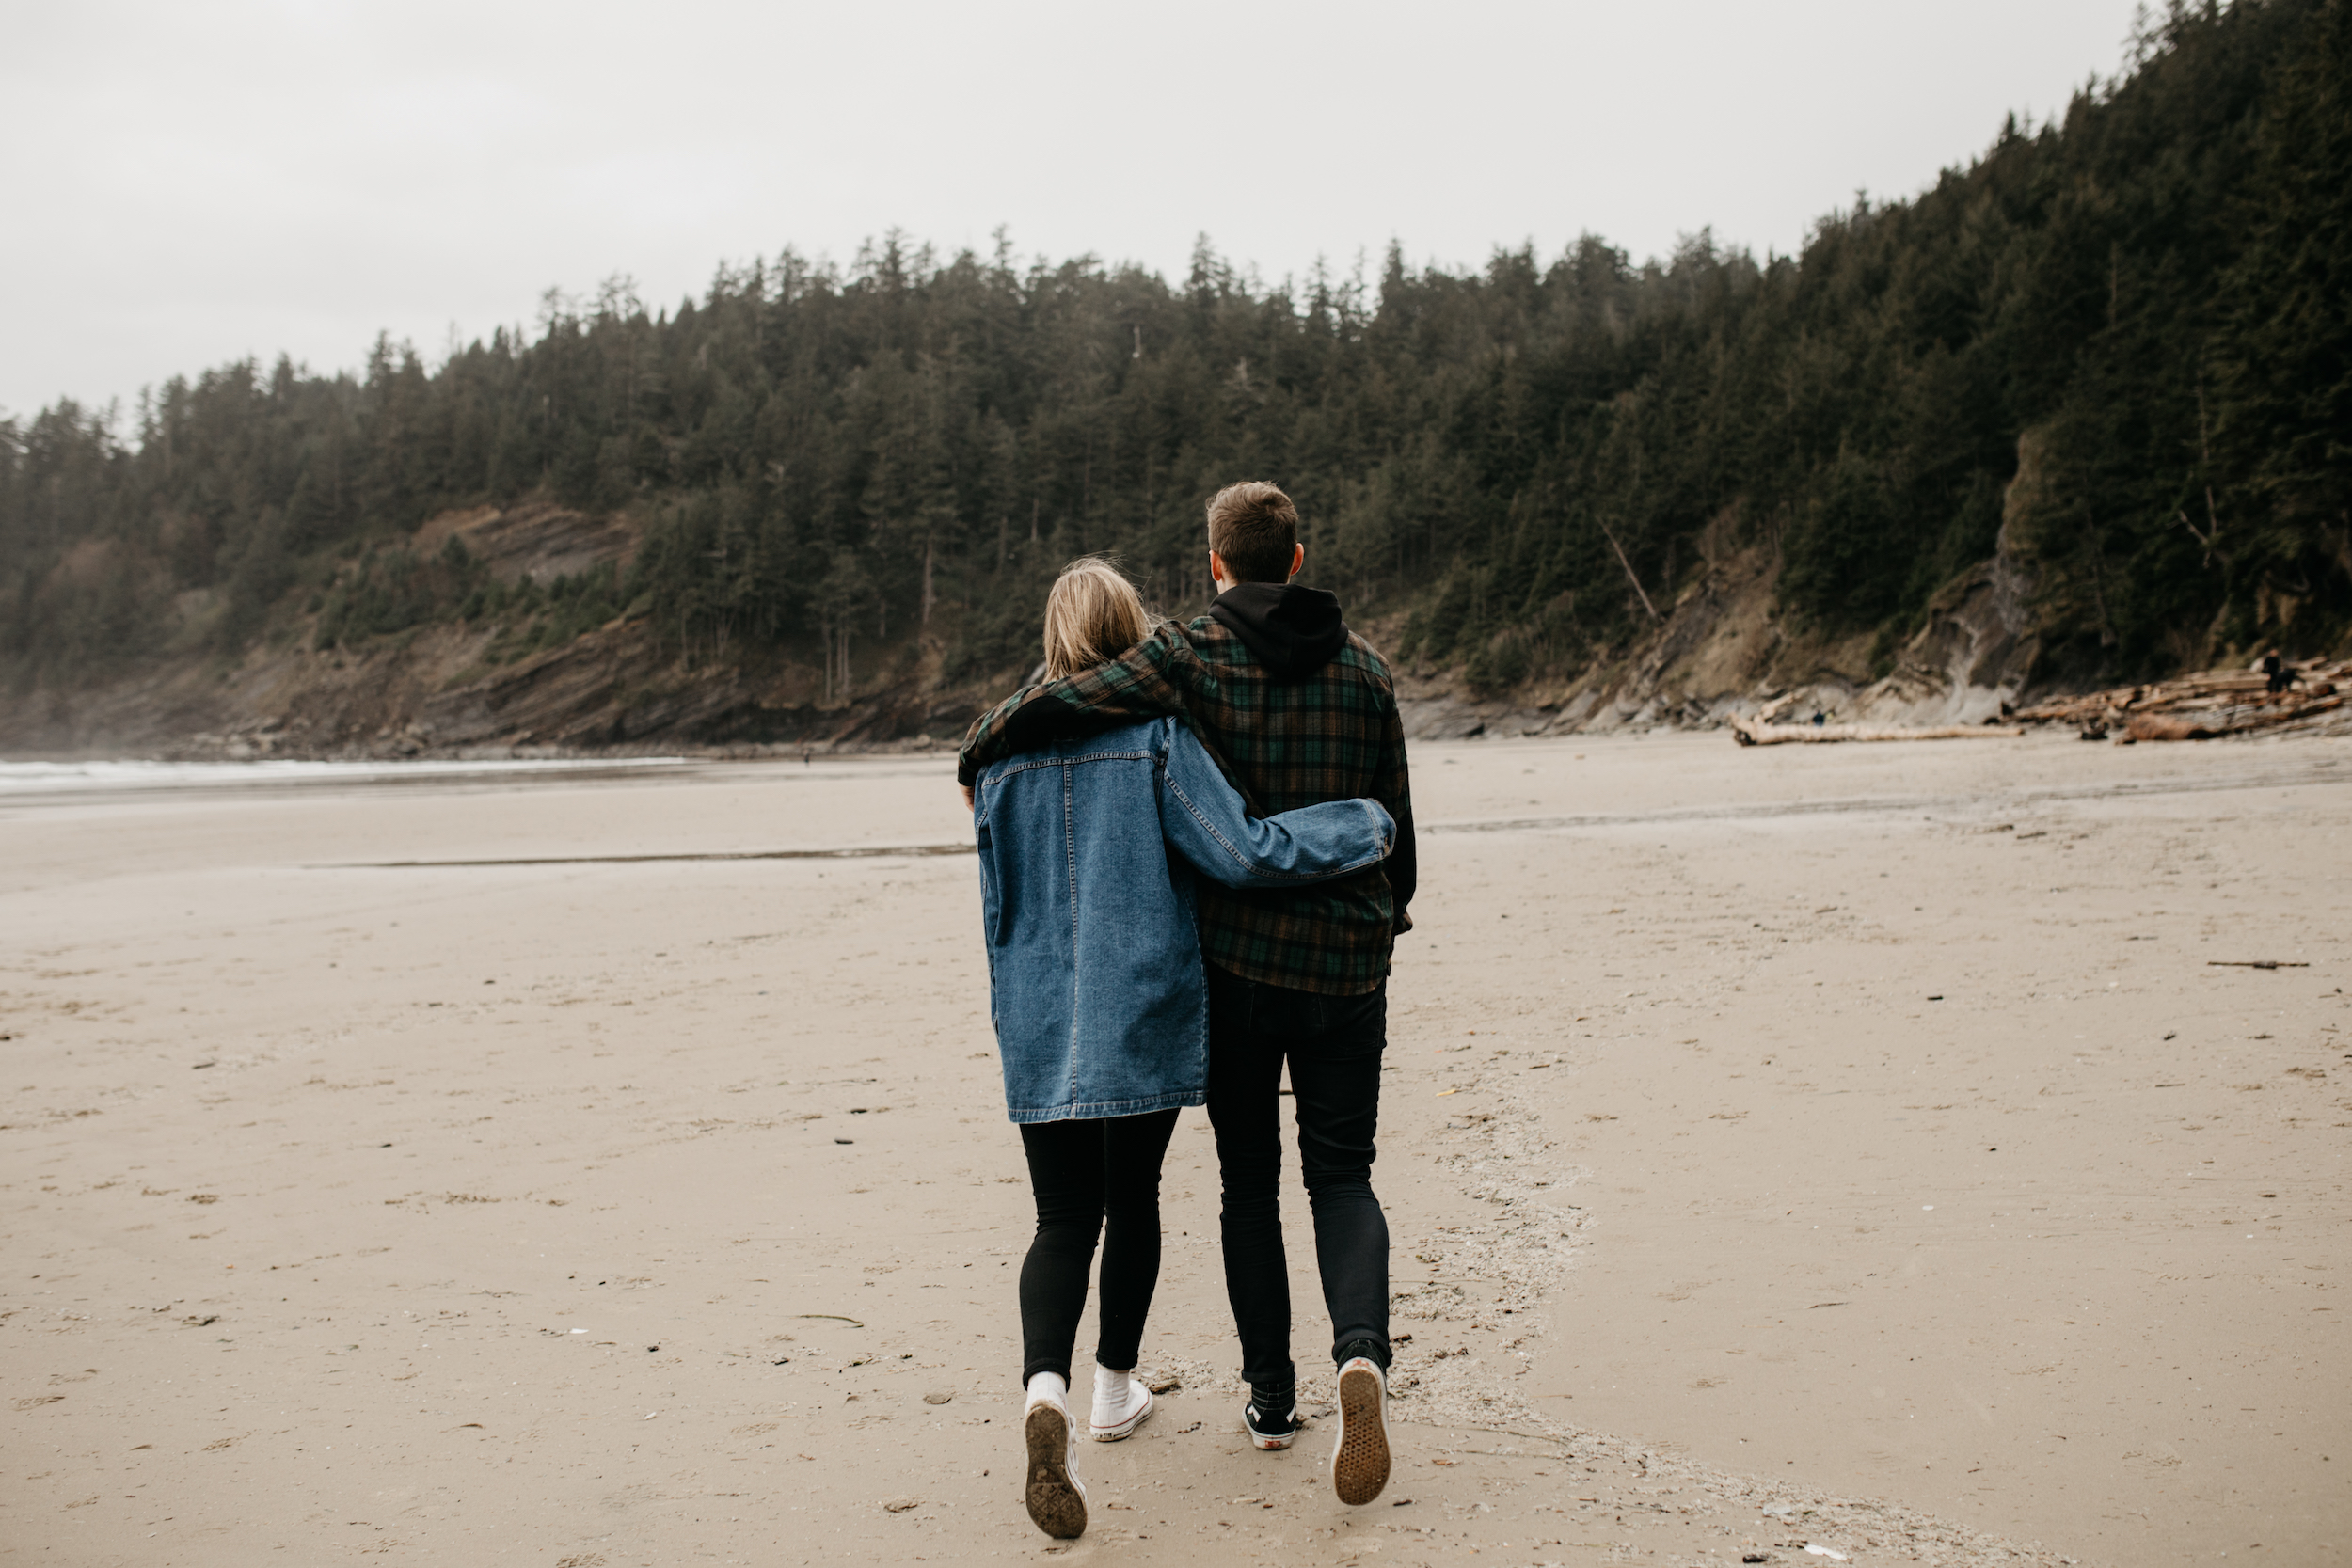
<point x="1098" y="1177"/>
<point x="1333" y="1044"/>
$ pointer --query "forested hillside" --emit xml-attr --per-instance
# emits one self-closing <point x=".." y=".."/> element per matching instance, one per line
<point x="840" y="474"/>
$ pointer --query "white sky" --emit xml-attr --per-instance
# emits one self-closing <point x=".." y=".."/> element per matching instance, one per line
<point x="193" y="183"/>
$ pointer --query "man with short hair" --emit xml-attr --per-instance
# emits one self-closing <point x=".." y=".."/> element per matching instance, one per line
<point x="1299" y="710"/>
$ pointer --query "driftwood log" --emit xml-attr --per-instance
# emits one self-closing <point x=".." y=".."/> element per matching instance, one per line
<point x="2203" y="707"/>
<point x="2154" y="726"/>
<point x="1756" y="732"/>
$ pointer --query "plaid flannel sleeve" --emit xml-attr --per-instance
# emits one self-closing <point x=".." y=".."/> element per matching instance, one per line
<point x="1391" y="785"/>
<point x="1148" y="681"/>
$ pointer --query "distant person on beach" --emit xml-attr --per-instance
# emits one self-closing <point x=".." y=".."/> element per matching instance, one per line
<point x="1088" y="845"/>
<point x="2276" y="668"/>
<point x="1303" y="711"/>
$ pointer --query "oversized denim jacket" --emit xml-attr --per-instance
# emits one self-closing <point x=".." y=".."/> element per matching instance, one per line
<point x="1087" y="851"/>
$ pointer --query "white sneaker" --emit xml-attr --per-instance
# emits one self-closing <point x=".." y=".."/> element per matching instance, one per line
<point x="1056" y="1495"/>
<point x="1360" y="1460"/>
<point x="1122" y="1404"/>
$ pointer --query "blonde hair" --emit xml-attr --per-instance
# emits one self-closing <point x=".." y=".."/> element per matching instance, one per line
<point x="1092" y="615"/>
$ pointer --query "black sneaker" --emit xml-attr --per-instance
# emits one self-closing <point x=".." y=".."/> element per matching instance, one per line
<point x="1271" y="1418"/>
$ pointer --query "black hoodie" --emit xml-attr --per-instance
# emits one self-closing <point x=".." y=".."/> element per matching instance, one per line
<point x="1295" y="631"/>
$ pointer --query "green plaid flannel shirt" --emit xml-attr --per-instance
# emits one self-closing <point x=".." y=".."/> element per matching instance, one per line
<point x="1284" y="744"/>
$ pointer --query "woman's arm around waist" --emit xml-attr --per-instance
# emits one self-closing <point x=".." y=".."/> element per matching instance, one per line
<point x="1203" y="817"/>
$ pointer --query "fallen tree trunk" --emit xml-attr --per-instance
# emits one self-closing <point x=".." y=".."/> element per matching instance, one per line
<point x="2200" y="706"/>
<point x="2153" y="726"/>
<point x="1749" y="732"/>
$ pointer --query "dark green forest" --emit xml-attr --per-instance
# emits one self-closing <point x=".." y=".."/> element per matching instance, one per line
<point x="2149" y="296"/>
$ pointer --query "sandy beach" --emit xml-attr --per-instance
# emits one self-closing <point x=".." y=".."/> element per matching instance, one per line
<point x="1875" y="1147"/>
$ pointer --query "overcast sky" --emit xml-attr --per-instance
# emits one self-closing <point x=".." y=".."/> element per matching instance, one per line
<point x="191" y="182"/>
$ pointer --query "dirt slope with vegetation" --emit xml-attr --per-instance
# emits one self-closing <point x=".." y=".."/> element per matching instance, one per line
<point x="2072" y="416"/>
<point x="540" y="656"/>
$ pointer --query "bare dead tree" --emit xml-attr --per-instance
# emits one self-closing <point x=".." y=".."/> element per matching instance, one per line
<point x="1630" y="576"/>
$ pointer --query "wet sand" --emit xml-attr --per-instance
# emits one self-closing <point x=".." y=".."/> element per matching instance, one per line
<point x="1858" y="1132"/>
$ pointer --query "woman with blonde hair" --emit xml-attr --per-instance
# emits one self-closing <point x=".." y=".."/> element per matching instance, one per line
<point x="1089" y="849"/>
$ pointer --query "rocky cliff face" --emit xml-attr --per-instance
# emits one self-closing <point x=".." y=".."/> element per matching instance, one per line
<point x="1724" y="651"/>
<point x="610" y="691"/>
<point x="1721" y="649"/>
<point x="447" y="688"/>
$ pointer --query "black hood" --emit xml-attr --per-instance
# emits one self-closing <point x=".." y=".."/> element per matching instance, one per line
<point x="1295" y="631"/>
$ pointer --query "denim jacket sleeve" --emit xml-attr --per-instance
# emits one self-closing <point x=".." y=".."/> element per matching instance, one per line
<point x="1203" y="817"/>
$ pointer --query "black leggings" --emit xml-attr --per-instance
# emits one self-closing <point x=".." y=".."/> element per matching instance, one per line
<point x="1085" y="1173"/>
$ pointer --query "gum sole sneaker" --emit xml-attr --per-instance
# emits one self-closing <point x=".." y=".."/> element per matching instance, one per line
<point x="1056" y="1498"/>
<point x="1281" y="1436"/>
<point x="1360" y="1460"/>
<point x="1137" y="1412"/>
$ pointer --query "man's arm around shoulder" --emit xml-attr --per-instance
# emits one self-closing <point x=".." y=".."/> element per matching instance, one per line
<point x="1148" y="681"/>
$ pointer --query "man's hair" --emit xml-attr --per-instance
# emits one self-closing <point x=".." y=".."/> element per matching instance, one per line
<point x="1092" y="615"/>
<point x="1254" y="528"/>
